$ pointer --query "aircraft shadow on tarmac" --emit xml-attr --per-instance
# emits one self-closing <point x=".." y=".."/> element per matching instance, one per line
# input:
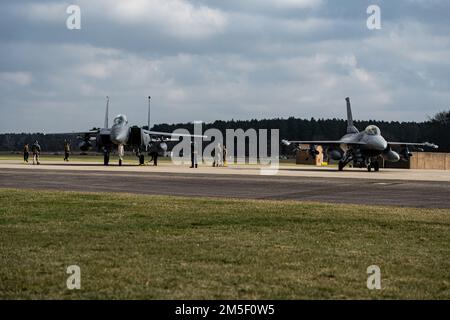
<point x="300" y="169"/>
<point x="320" y="169"/>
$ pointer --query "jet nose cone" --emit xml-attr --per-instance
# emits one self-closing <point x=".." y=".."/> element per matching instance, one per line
<point x="119" y="135"/>
<point x="380" y="144"/>
<point x="377" y="143"/>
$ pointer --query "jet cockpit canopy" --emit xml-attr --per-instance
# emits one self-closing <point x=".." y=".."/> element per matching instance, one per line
<point x="120" y="120"/>
<point x="373" y="130"/>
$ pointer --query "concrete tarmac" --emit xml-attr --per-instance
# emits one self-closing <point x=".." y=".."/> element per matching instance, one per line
<point x="354" y="186"/>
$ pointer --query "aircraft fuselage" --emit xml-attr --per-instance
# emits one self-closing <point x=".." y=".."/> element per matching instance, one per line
<point x="372" y="145"/>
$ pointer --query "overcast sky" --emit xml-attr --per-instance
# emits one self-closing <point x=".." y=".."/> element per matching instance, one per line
<point x="220" y="59"/>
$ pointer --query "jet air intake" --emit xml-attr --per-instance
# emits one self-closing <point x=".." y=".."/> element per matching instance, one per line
<point x="85" y="143"/>
<point x="313" y="151"/>
<point x="85" y="146"/>
<point x="335" y="154"/>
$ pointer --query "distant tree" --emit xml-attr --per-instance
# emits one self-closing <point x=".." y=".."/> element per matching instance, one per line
<point x="442" y="117"/>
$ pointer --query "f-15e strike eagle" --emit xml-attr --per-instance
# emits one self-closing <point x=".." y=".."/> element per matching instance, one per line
<point x="362" y="148"/>
<point x="121" y="134"/>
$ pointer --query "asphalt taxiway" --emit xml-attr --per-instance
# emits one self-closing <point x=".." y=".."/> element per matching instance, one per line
<point x="392" y="187"/>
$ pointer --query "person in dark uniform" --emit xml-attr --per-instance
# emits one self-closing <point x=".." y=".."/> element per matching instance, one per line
<point x="36" y="149"/>
<point x="213" y="153"/>
<point x="66" y="150"/>
<point x="141" y="158"/>
<point x="224" y="158"/>
<point x="194" y="163"/>
<point x="26" y="153"/>
<point x="154" y="157"/>
<point x="105" y="156"/>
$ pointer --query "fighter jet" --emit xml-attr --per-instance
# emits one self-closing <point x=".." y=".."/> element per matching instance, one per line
<point x="362" y="148"/>
<point x="121" y="134"/>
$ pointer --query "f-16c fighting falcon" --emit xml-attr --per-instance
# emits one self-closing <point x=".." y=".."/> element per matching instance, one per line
<point x="362" y="148"/>
<point x="121" y="134"/>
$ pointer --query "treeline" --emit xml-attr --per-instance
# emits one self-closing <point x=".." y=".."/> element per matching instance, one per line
<point x="49" y="143"/>
<point x="436" y="130"/>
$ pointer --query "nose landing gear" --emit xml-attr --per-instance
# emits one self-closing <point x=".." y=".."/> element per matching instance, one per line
<point x="121" y="150"/>
<point x="141" y="157"/>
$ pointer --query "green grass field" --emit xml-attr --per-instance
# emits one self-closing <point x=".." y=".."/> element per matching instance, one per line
<point x="156" y="247"/>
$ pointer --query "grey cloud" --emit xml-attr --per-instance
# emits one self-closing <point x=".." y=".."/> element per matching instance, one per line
<point x="235" y="59"/>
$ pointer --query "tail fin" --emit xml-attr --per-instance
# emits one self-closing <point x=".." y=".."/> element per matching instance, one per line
<point x="350" y="127"/>
<point x="106" y="125"/>
<point x="148" y="119"/>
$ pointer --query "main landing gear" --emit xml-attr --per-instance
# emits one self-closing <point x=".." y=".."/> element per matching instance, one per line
<point x="358" y="161"/>
<point x="141" y="157"/>
<point x="106" y="154"/>
<point x="348" y="156"/>
<point x="373" y="165"/>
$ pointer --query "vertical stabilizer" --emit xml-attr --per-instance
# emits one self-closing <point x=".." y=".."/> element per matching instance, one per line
<point x="148" y="119"/>
<point x="350" y="127"/>
<point x="106" y="124"/>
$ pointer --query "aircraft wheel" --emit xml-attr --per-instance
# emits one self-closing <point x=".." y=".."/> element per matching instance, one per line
<point x="106" y="159"/>
<point x="141" y="159"/>
<point x="369" y="168"/>
<point x="120" y="162"/>
<point x="341" y="166"/>
<point x="376" y="166"/>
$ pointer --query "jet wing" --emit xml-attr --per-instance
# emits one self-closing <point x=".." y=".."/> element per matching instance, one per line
<point x="323" y="142"/>
<point x="172" y="135"/>
<point x="412" y="144"/>
<point x="90" y="132"/>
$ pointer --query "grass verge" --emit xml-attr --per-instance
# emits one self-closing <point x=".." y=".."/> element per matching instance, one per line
<point x="159" y="247"/>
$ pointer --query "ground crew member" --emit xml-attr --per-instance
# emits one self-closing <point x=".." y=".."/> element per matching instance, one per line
<point x="141" y="157"/>
<point x="66" y="150"/>
<point x="26" y="152"/>
<point x="154" y="157"/>
<point x="194" y="154"/>
<point x="218" y="155"/>
<point x="224" y="158"/>
<point x="36" y="149"/>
